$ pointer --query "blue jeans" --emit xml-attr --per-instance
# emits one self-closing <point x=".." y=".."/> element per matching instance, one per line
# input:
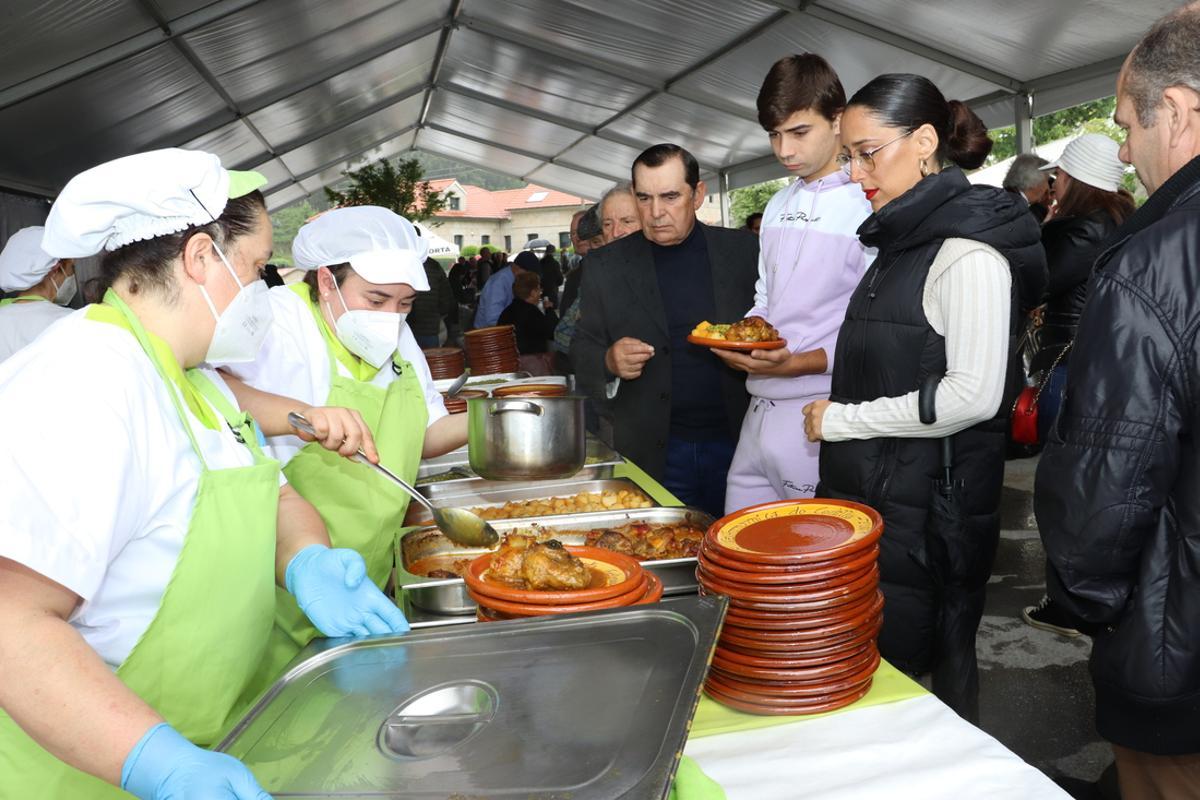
<point x="425" y="342"/>
<point x="696" y="472"/>
<point x="1050" y="401"/>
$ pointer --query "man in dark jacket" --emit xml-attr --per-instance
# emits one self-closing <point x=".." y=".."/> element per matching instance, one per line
<point x="1117" y="495"/>
<point x="677" y="409"/>
<point x="430" y="309"/>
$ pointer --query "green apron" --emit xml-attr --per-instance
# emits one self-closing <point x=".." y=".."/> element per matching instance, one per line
<point x="361" y="510"/>
<point x="201" y="649"/>
<point x="12" y="300"/>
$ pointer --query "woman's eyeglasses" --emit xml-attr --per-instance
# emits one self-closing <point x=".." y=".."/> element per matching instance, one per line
<point x="865" y="160"/>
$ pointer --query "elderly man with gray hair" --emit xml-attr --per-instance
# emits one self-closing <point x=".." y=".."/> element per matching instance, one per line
<point x="1116" y="498"/>
<point x="1026" y="178"/>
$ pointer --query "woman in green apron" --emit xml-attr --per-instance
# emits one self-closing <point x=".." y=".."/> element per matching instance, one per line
<point x="42" y="286"/>
<point x="339" y="339"/>
<point x="142" y="531"/>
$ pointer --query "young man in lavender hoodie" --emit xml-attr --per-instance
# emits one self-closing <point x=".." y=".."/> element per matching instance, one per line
<point x="809" y="264"/>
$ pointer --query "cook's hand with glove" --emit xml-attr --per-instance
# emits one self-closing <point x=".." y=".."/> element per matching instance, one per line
<point x="165" y="766"/>
<point x="332" y="589"/>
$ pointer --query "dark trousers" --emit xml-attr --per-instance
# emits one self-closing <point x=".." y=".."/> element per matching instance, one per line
<point x="696" y="472"/>
<point x="425" y="342"/>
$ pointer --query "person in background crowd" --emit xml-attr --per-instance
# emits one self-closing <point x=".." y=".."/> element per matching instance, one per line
<point x="754" y="223"/>
<point x="462" y="282"/>
<point x="44" y="285"/>
<point x="433" y="308"/>
<point x="534" y="326"/>
<point x="1115" y="497"/>
<point x="1027" y="179"/>
<point x="619" y="213"/>
<point x="935" y="315"/>
<point x="498" y="292"/>
<point x="483" y="267"/>
<point x="552" y="276"/>
<point x="677" y="410"/>
<point x="1091" y="203"/>
<point x="590" y="232"/>
<point x="809" y="263"/>
<point x="271" y="276"/>
<point x="576" y="242"/>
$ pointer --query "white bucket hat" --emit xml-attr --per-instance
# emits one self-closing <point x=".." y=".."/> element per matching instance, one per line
<point x="1092" y="159"/>
<point x="380" y="245"/>
<point x="23" y="262"/>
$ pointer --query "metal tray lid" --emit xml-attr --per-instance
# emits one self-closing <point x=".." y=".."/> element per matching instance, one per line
<point x="587" y="706"/>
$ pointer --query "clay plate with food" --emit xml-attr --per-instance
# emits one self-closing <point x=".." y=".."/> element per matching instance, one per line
<point x="751" y="333"/>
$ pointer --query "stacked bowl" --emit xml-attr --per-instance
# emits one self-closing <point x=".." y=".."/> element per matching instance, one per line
<point x="617" y="581"/>
<point x="445" y="362"/>
<point x="531" y="390"/>
<point x="492" y="350"/>
<point x="804" y="605"/>
<point x="458" y="403"/>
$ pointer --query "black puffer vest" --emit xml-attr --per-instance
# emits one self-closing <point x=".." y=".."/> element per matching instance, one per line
<point x="886" y="348"/>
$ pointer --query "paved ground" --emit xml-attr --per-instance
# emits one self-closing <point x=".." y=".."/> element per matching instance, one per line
<point x="1036" y="696"/>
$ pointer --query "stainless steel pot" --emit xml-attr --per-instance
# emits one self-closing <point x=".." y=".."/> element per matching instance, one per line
<point x="526" y="438"/>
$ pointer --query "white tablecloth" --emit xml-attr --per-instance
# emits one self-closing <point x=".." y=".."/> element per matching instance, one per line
<point x="916" y="748"/>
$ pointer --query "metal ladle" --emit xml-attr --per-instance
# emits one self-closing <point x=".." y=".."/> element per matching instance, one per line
<point x="459" y="525"/>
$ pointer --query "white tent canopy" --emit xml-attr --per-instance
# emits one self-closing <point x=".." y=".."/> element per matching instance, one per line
<point x="562" y="93"/>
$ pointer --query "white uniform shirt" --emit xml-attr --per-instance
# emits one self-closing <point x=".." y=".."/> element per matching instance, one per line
<point x="100" y="501"/>
<point x="294" y="362"/>
<point x="21" y="323"/>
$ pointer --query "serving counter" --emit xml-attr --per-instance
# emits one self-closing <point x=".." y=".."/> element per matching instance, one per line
<point x="898" y="741"/>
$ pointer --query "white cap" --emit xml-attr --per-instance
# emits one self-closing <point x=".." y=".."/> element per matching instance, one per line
<point x="23" y="262"/>
<point x="1092" y="159"/>
<point x="380" y="245"/>
<point x="141" y="197"/>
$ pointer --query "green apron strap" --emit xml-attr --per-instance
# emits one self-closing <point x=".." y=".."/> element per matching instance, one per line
<point x="240" y="422"/>
<point x="12" y="300"/>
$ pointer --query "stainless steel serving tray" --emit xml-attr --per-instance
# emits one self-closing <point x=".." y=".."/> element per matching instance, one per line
<point x="449" y="595"/>
<point x="488" y="494"/>
<point x="455" y="468"/>
<point x="587" y="706"/>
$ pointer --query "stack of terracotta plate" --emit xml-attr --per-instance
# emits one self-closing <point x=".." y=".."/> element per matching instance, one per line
<point x="531" y="390"/>
<point x="804" y="605"/>
<point x="445" y="362"/>
<point x="492" y="350"/>
<point x="458" y="403"/>
<point x="617" y="581"/>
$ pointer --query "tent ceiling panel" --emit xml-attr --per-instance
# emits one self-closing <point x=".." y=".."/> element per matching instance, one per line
<point x="556" y="175"/>
<point x="737" y="76"/>
<point x="349" y="94"/>
<point x="501" y="125"/>
<point x="100" y="116"/>
<point x="354" y="137"/>
<point x="275" y="172"/>
<point x="1021" y="38"/>
<point x="268" y="47"/>
<point x="715" y="138"/>
<point x="629" y="33"/>
<point x="335" y="173"/>
<point x="601" y="155"/>
<point x="287" y="195"/>
<point x="173" y="9"/>
<point x="531" y="78"/>
<point x="75" y="30"/>
<point x="502" y="161"/>
<point x="235" y="143"/>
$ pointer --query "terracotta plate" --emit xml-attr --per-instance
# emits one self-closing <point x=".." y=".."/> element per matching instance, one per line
<point x="847" y="671"/>
<point x="754" y="704"/>
<point x="725" y="344"/>
<point x="817" y="590"/>
<point x="831" y="645"/>
<point x="795" y="531"/>
<point x="723" y="570"/>
<point x="635" y="595"/>
<point x="796" y="620"/>
<point x="613" y="574"/>
<point x="799" y="602"/>
<point x="531" y="390"/>
<point x="783" y="688"/>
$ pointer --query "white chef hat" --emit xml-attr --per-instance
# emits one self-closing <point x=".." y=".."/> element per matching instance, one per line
<point x="23" y="262"/>
<point x="141" y="197"/>
<point x="380" y="245"/>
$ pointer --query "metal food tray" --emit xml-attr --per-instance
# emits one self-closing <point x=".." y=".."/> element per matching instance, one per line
<point x="449" y="595"/>
<point x="478" y="493"/>
<point x="455" y="466"/>
<point x="590" y="706"/>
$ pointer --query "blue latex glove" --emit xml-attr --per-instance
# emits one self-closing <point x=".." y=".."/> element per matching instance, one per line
<point x="332" y="589"/>
<point x="165" y="766"/>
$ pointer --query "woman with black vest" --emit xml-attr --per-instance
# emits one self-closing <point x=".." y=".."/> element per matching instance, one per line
<point x="935" y="315"/>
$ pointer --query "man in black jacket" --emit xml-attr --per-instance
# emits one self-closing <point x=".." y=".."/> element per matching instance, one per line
<point x="676" y="409"/>
<point x="1118" y="487"/>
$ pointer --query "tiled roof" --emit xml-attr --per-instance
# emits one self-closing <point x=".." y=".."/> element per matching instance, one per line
<point x="480" y="202"/>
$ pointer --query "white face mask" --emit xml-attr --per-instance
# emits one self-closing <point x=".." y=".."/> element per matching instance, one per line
<point x="371" y="335"/>
<point x="243" y="324"/>
<point x="64" y="294"/>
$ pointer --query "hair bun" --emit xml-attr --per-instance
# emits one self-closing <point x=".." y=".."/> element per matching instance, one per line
<point x="968" y="144"/>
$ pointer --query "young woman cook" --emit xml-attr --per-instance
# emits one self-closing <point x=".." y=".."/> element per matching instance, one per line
<point x="142" y="531"/>
<point x="339" y="338"/>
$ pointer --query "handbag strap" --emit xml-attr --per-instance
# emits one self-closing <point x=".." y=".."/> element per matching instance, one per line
<point x="1041" y="385"/>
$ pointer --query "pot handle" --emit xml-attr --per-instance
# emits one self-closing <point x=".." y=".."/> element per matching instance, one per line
<point x="524" y="406"/>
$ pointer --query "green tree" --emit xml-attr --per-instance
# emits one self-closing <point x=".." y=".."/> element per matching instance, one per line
<point x="286" y="223"/>
<point x="396" y="186"/>
<point x="1092" y="117"/>
<point x="752" y="200"/>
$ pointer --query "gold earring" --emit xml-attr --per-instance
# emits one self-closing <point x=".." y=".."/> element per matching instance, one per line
<point x="924" y="169"/>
